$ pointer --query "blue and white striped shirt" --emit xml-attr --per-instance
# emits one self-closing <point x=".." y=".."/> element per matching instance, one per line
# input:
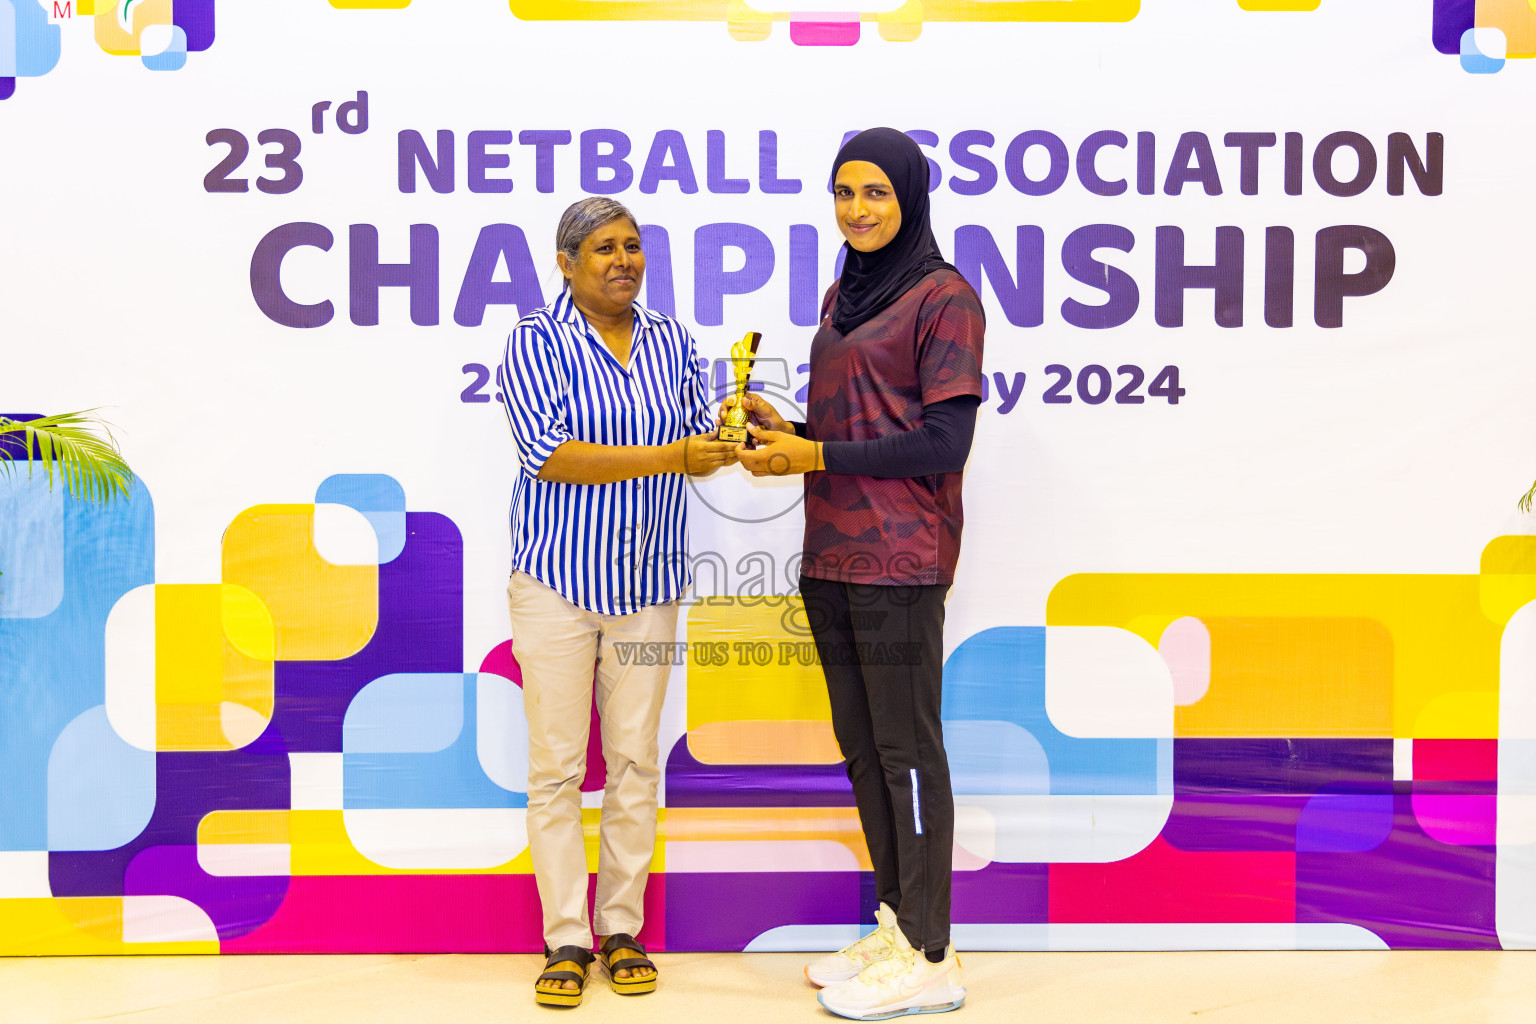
<point x="613" y="548"/>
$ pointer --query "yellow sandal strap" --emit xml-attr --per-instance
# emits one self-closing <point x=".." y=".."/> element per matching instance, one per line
<point x="623" y="958"/>
<point x="566" y="956"/>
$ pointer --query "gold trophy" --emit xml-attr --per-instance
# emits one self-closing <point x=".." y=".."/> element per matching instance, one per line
<point x="743" y="355"/>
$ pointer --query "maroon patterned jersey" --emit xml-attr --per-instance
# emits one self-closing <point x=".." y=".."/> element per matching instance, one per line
<point x="923" y="348"/>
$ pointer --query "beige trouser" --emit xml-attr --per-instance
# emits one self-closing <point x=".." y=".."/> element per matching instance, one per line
<point x="557" y="644"/>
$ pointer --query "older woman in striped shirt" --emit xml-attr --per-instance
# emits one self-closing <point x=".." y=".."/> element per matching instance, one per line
<point x="609" y="415"/>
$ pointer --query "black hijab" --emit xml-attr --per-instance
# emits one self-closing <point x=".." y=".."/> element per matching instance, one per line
<point x="873" y="280"/>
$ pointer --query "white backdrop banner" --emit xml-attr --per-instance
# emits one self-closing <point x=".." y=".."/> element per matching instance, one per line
<point x="1238" y="654"/>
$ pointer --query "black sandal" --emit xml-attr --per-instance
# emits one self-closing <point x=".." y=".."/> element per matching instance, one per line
<point x="554" y="964"/>
<point x="620" y="952"/>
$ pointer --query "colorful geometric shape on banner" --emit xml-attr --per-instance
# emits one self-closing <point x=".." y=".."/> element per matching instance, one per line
<point x="1256" y="793"/>
<point x="51" y="665"/>
<point x="31" y="543"/>
<point x="119" y="25"/>
<point x="363" y="842"/>
<point x="501" y="734"/>
<point x="1458" y="819"/>
<point x="1185" y="645"/>
<point x="420" y="628"/>
<point x="234" y="906"/>
<point x="1412" y="889"/>
<point x="1162" y="883"/>
<point x="1450" y="19"/>
<point x="1344" y="822"/>
<point x="1343" y="665"/>
<point x="29" y="45"/>
<point x="1077" y="799"/>
<point x="1506" y="577"/>
<point x="320" y="611"/>
<point x="1456" y="760"/>
<point x="101" y="791"/>
<point x="1482" y="51"/>
<point x="824" y="30"/>
<point x="1515" y="20"/>
<point x="502" y="745"/>
<point x="212" y="665"/>
<point x="169" y="821"/>
<point x="1483" y="33"/>
<point x="468" y="913"/>
<point x="195" y="18"/>
<point x="159" y="32"/>
<point x="707" y="835"/>
<point x="1106" y="683"/>
<point x="163" y="47"/>
<point x="379" y="498"/>
<point x="759" y="902"/>
<point x="999" y="675"/>
<point x="756" y="692"/>
<point x="405" y="714"/>
<point x="409" y="743"/>
<point x="1515" y="750"/>
<point x="104" y="926"/>
<point x="23" y="874"/>
<point x="898" y="20"/>
<point x="1344" y="650"/>
<point x="692" y="783"/>
<point x="995" y="758"/>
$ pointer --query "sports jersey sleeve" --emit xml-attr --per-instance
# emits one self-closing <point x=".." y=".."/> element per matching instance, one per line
<point x="951" y="328"/>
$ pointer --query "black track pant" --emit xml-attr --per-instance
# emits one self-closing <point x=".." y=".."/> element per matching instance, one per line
<point x="882" y="649"/>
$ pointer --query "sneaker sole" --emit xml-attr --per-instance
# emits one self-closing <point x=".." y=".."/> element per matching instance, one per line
<point x="931" y="1008"/>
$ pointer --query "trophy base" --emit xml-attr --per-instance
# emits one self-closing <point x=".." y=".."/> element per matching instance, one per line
<point x="732" y="434"/>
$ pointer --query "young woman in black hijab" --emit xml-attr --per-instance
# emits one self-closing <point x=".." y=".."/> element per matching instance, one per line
<point x="894" y="387"/>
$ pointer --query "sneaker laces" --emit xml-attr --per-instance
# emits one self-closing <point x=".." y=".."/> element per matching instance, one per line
<point x="879" y="939"/>
<point x="902" y="959"/>
<point x="882" y="938"/>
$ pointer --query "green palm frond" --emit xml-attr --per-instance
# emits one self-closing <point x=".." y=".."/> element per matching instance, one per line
<point x="90" y="465"/>
<point x="1525" y="502"/>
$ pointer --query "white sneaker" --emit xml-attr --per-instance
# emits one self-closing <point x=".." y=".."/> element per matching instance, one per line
<point x="904" y="982"/>
<point x="846" y="963"/>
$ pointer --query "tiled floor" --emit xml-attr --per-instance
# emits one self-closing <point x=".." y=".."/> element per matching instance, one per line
<point x="1017" y="988"/>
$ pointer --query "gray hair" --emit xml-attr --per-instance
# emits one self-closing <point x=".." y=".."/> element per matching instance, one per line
<point x="585" y="216"/>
